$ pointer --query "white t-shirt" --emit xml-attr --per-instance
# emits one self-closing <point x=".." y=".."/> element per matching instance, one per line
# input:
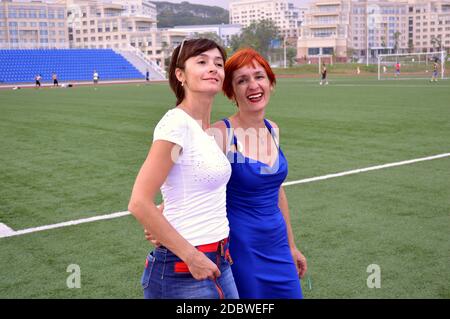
<point x="194" y="192"/>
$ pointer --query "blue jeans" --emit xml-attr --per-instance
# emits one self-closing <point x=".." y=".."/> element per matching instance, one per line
<point x="164" y="279"/>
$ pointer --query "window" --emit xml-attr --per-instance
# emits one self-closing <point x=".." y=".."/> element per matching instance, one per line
<point x="327" y="51"/>
<point x="61" y="14"/>
<point x="313" y="51"/>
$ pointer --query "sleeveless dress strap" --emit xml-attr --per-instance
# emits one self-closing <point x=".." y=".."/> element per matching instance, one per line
<point x="231" y="137"/>
<point x="272" y="132"/>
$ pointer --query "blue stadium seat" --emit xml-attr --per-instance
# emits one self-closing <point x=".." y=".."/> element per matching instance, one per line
<point x="21" y="66"/>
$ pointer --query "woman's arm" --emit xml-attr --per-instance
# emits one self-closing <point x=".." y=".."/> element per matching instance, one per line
<point x="299" y="259"/>
<point x="151" y="176"/>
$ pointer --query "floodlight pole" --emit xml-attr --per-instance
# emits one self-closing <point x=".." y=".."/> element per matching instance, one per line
<point x="367" y="36"/>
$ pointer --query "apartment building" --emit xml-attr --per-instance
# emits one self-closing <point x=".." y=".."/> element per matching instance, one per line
<point x="363" y="29"/>
<point x="325" y="30"/>
<point x="223" y="31"/>
<point x="283" y="13"/>
<point x="378" y="28"/>
<point x="430" y="25"/>
<point x="110" y="24"/>
<point x="32" y="25"/>
<point x="123" y="25"/>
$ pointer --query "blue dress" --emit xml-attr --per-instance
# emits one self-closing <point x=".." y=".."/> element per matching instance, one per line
<point x="263" y="266"/>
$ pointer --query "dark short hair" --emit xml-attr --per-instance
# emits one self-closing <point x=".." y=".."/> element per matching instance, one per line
<point x="189" y="49"/>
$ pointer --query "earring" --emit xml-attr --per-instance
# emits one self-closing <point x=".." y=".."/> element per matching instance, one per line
<point x="182" y="83"/>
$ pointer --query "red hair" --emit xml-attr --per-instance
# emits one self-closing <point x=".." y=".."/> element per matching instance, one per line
<point x="244" y="57"/>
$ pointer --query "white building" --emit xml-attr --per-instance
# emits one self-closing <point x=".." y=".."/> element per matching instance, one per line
<point x="33" y="25"/>
<point x="283" y="13"/>
<point x="115" y="24"/>
<point x="223" y="31"/>
<point x="366" y="28"/>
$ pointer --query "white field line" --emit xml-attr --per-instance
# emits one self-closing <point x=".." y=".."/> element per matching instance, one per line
<point x="5" y="231"/>
<point x="367" y="169"/>
<point x="390" y="86"/>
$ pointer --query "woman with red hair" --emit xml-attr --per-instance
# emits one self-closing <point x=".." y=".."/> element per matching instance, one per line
<point x="267" y="263"/>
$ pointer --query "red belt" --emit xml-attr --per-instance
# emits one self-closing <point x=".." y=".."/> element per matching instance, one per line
<point x="213" y="247"/>
<point x="207" y="248"/>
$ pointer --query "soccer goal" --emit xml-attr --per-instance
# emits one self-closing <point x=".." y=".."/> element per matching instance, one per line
<point x="411" y="65"/>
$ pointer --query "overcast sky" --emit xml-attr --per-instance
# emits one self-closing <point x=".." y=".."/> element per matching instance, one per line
<point x="224" y="3"/>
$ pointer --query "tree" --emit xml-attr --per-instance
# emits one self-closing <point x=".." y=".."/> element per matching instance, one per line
<point x="410" y="46"/>
<point x="351" y="54"/>
<point x="258" y="35"/>
<point x="396" y="41"/>
<point x="211" y="36"/>
<point x="383" y="43"/>
<point x="436" y="42"/>
<point x="291" y="54"/>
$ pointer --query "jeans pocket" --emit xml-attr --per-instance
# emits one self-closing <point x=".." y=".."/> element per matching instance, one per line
<point x="149" y="261"/>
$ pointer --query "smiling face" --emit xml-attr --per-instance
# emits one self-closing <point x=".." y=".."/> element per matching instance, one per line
<point x="251" y="87"/>
<point x="203" y="73"/>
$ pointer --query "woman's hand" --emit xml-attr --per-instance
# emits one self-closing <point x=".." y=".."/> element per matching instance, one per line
<point x="201" y="267"/>
<point x="151" y="239"/>
<point x="300" y="262"/>
<point x="148" y="235"/>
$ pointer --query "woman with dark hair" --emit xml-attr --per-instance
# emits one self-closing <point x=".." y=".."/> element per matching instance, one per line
<point x="267" y="263"/>
<point x="192" y="172"/>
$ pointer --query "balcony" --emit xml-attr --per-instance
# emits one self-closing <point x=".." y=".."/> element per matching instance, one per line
<point x="328" y="3"/>
<point x="318" y="13"/>
<point x="322" y="26"/>
<point x="113" y="6"/>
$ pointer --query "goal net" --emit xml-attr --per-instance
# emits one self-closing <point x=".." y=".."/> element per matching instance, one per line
<point x="412" y="65"/>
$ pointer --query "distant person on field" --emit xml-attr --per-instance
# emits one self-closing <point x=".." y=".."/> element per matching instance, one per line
<point x="95" y="77"/>
<point x="55" y="79"/>
<point x="358" y="71"/>
<point x="147" y="75"/>
<point x="384" y="69"/>
<point x="435" y="72"/>
<point x="38" y="80"/>
<point x="397" y="69"/>
<point x="324" y="79"/>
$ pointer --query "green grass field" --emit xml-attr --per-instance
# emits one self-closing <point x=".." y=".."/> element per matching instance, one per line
<point x="73" y="153"/>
